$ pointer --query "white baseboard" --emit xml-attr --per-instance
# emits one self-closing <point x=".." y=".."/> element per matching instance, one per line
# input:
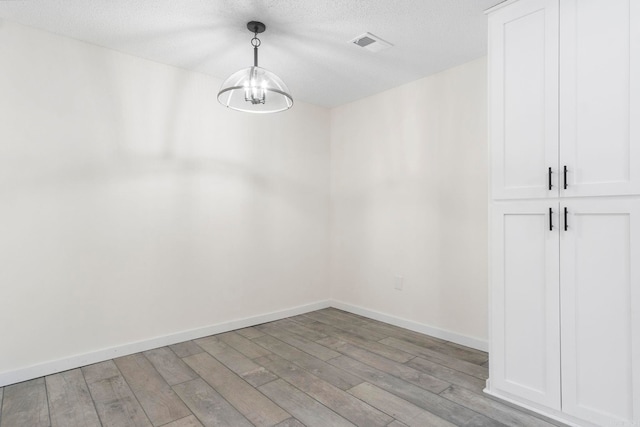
<point x="72" y="362"/>
<point x="477" y="343"/>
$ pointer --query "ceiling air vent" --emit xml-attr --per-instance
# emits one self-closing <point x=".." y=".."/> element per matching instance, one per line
<point x="371" y="43"/>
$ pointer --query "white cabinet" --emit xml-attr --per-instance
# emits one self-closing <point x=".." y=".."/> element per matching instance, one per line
<point x="564" y="100"/>
<point x="600" y="96"/>
<point x="565" y="307"/>
<point x="523" y="99"/>
<point x="600" y="310"/>
<point x="525" y="299"/>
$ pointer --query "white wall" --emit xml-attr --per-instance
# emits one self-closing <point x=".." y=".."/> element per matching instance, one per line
<point x="409" y="197"/>
<point x="134" y="206"/>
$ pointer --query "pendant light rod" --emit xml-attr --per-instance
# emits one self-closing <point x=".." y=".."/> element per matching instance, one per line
<point x="255" y="56"/>
<point x="256" y="28"/>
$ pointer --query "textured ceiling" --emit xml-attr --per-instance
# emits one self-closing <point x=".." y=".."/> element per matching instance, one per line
<point x="306" y="42"/>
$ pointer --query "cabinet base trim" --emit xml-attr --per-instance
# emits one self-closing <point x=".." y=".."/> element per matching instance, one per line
<point x="546" y="412"/>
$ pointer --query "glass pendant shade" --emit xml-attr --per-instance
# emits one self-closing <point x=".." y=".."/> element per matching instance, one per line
<point x="255" y="90"/>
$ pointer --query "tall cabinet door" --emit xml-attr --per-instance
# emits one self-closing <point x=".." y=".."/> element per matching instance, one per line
<point x="525" y="338"/>
<point x="600" y="277"/>
<point x="600" y="96"/>
<point x="523" y="102"/>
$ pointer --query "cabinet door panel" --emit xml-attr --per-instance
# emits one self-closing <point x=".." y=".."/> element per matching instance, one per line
<point x="523" y="74"/>
<point x="600" y="285"/>
<point x="525" y="354"/>
<point x="599" y="95"/>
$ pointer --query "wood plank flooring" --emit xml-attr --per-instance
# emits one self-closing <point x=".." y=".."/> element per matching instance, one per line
<point x="328" y="368"/>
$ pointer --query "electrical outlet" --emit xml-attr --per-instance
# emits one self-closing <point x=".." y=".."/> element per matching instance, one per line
<point x="398" y="282"/>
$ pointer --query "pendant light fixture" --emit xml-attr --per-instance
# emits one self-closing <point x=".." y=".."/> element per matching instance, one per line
<point x="254" y="89"/>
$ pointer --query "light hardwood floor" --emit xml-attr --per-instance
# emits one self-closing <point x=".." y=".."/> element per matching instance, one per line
<point x="326" y="368"/>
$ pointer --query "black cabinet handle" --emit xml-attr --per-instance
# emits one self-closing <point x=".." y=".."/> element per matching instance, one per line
<point x="550" y="184"/>
<point x="550" y="219"/>
<point x="566" y="212"/>
<point x="565" y="177"/>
